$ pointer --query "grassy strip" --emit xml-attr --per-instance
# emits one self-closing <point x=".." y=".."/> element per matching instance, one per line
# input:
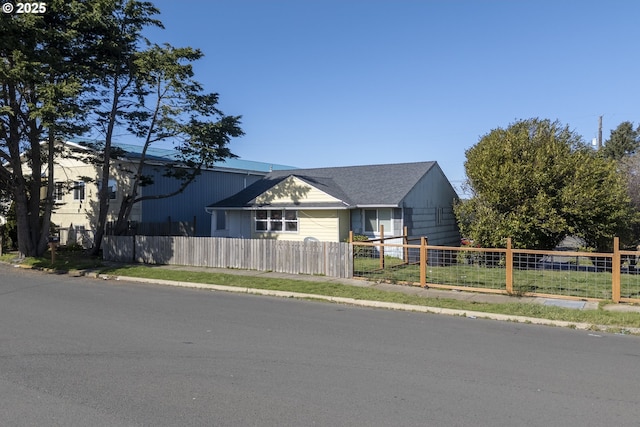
<point x="597" y="317"/>
<point x="64" y="260"/>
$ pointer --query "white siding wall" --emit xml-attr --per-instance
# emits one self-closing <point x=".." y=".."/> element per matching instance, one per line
<point x="83" y="213"/>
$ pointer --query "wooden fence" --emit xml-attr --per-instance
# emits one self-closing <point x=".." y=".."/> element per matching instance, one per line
<point x="558" y="274"/>
<point x="166" y="228"/>
<point x="333" y="259"/>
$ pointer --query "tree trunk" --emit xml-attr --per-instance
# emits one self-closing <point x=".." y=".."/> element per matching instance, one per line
<point x="103" y="192"/>
<point x="122" y="223"/>
<point x="48" y="201"/>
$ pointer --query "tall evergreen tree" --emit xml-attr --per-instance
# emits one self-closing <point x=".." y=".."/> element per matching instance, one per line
<point x="42" y="69"/>
<point x="85" y="64"/>
<point x="624" y="141"/>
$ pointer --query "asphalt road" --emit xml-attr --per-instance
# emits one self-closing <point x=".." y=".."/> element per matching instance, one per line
<point x="86" y="352"/>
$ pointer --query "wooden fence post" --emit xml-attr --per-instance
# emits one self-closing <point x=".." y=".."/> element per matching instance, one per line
<point x="423" y="261"/>
<point x="615" y="271"/>
<point x="381" y="247"/>
<point x="350" y="236"/>
<point x="405" y="235"/>
<point x="509" y="260"/>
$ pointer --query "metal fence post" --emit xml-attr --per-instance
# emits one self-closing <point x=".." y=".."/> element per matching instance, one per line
<point x="405" y="241"/>
<point x="615" y="271"/>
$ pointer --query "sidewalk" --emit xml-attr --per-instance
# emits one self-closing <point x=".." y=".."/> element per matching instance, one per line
<point x="417" y="290"/>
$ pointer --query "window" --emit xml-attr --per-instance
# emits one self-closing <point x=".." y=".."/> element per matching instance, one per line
<point x="221" y="220"/>
<point x="58" y="191"/>
<point x="78" y="190"/>
<point x="277" y="221"/>
<point x="370" y="220"/>
<point x="374" y="218"/>
<point x="112" y="188"/>
<point x="290" y="220"/>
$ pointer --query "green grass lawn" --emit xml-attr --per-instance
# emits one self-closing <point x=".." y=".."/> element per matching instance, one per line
<point x="579" y="284"/>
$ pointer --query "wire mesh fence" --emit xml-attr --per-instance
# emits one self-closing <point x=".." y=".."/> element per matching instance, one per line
<point x="389" y="263"/>
<point x="561" y="273"/>
<point x="574" y="275"/>
<point x="466" y="268"/>
<point x="630" y="279"/>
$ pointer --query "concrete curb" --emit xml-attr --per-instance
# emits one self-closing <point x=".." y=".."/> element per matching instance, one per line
<point x="380" y="304"/>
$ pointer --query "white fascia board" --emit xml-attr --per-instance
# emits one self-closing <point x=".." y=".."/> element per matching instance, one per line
<point x="286" y="208"/>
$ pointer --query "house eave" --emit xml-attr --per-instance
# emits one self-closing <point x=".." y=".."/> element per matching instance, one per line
<point x="210" y="209"/>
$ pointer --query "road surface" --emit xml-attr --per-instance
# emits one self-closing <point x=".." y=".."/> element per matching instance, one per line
<point x="87" y="352"/>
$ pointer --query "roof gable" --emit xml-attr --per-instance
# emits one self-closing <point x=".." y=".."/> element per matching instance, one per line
<point x="293" y="190"/>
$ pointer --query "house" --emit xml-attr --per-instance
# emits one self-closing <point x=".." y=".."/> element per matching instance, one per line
<point x="324" y="204"/>
<point x="77" y="183"/>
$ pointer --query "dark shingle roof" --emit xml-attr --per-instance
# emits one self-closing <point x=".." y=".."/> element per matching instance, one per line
<point x="372" y="185"/>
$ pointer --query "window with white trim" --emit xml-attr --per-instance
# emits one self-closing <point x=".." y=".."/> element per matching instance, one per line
<point x="373" y="218"/>
<point x="277" y="221"/>
<point x="58" y="191"/>
<point x="78" y="190"/>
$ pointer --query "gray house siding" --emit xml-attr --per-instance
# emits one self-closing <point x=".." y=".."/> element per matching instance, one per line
<point x="428" y="209"/>
<point x="210" y="185"/>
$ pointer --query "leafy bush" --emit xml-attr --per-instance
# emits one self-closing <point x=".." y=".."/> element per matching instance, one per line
<point x="359" y="251"/>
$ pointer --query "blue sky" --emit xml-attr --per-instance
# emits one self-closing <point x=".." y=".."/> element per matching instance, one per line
<point x="351" y="82"/>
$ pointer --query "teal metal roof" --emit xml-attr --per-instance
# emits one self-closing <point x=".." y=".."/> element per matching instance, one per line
<point x="164" y="154"/>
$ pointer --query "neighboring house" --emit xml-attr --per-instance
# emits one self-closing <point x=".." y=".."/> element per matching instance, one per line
<point x="77" y="184"/>
<point x="325" y="204"/>
<point x="223" y="180"/>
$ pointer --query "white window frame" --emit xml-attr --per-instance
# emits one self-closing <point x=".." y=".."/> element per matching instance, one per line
<point x="276" y="221"/>
<point x="58" y="191"/>
<point x="387" y="229"/>
<point x="79" y="191"/>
